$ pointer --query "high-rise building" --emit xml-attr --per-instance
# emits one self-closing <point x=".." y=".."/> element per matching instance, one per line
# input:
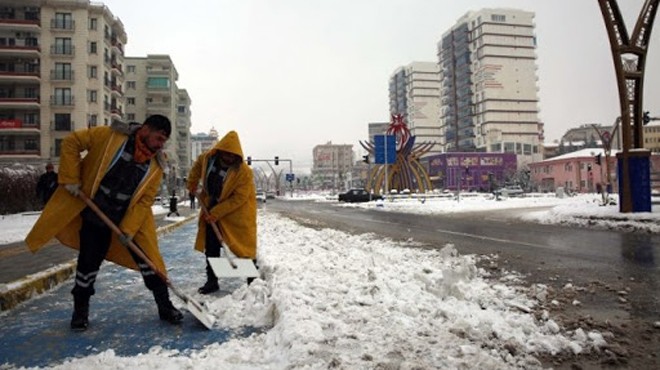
<point x="151" y="89"/>
<point x="61" y="69"/>
<point x="201" y="142"/>
<point x="489" y="93"/>
<point x="415" y="94"/>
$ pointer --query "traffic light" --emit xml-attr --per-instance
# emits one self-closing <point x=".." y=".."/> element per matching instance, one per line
<point x="277" y="160"/>
<point x="249" y="161"/>
<point x="646" y="118"/>
<point x="365" y="158"/>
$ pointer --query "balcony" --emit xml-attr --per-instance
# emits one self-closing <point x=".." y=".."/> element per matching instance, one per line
<point x="19" y="75"/>
<point x="19" y="102"/>
<point x="20" y="24"/>
<point x="27" y="48"/>
<point x="116" y="89"/>
<point x="116" y="67"/>
<point x="56" y="75"/>
<point x="63" y="50"/>
<point x="61" y="101"/>
<point x="63" y="25"/>
<point x="17" y="126"/>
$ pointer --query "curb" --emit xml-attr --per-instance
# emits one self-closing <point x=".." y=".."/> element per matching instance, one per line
<point x="21" y="290"/>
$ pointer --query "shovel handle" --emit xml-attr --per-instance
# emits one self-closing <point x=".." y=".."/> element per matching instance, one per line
<point x="131" y="245"/>
<point x="214" y="226"/>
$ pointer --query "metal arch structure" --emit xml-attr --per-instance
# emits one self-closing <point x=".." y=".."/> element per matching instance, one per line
<point x="629" y="55"/>
<point x="406" y="172"/>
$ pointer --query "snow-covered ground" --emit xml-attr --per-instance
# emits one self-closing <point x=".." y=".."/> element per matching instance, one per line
<point x="334" y="300"/>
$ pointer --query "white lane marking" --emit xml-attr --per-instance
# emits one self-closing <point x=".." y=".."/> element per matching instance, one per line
<point x="490" y="238"/>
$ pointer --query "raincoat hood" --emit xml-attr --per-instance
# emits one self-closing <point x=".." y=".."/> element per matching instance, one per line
<point x="230" y="143"/>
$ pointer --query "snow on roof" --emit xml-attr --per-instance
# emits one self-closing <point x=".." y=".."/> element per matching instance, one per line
<point x="582" y="153"/>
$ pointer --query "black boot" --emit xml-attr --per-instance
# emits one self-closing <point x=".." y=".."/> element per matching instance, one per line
<point x="211" y="282"/>
<point x="166" y="310"/>
<point x="79" y="320"/>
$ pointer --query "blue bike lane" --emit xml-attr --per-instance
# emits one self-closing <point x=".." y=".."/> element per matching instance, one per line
<point x="123" y="314"/>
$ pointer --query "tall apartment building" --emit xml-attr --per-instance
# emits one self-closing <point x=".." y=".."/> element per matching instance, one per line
<point x="61" y="69"/>
<point x="202" y="142"/>
<point x="333" y="165"/>
<point x="489" y="93"/>
<point x="151" y="89"/>
<point x="415" y="93"/>
<point x="377" y="128"/>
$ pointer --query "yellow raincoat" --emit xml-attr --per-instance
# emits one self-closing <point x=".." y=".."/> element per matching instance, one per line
<point x="236" y="210"/>
<point x="61" y="217"/>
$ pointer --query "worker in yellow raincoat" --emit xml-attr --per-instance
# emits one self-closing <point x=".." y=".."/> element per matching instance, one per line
<point x="229" y="193"/>
<point x="121" y="172"/>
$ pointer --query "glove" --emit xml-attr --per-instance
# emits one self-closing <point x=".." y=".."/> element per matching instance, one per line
<point x="73" y="189"/>
<point x="210" y="219"/>
<point x="125" y="239"/>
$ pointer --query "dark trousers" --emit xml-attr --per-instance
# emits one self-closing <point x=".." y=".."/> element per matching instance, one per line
<point x="94" y="244"/>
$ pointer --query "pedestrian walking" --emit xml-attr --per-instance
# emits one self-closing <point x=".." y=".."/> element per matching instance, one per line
<point x="229" y="194"/>
<point x="47" y="184"/>
<point x="121" y="171"/>
<point x="192" y="200"/>
<point x="174" y="200"/>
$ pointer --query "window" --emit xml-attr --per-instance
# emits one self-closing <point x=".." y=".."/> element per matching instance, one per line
<point x="509" y="147"/>
<point x="63" y="21"/>
<point x="130" y="101"/>
<point x="131" y="69"/>
<point x="158" y="82"/>
<point x="92" y="96"/>
<point x="498" y="18"/>
<point x="130" y="85"/>
<point x="62" y="97"/>
<point x="63" y="71"/>
<point x="93" y="72"/>
<point x="63" y="46"/>
<point x="62" y="122"/>
<point x="92" y="47"/>
<point x="30" y="144"/>
<point x="130" y="116"/>
<point x="58" y="147"/>
<point x="92" y="120"/>
<point x="93" y="23"/>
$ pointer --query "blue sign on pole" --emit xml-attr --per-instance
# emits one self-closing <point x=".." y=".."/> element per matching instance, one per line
<point x="385" y="146"/>
<point x="290" y="177"/>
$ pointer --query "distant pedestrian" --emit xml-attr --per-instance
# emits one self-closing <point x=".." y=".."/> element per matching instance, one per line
<point x="47" y="184"/>
<point x="192" y="200"/>
<point x="174" y="204"/>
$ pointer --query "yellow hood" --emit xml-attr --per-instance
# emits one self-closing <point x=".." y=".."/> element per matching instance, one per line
<point x="230" y="143"/>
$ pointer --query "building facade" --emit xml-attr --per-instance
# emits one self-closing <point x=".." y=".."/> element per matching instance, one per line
<point x="333" y="166"/>
<point x="151" y="89"/>
<point x="201" y="142"/>
<point x="414" y="92"/>
<point x="489" y="93"/>
<point x="61" y="69"/>
<point x="470" y="171"/>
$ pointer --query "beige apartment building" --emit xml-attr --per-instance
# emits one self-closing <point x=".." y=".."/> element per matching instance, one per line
<point x="151" y="89"/>
<point x="489" y="95"/>
<point x="333" y="166"/>
<point x="61" y="69"/>
<point x="414" y="92"/>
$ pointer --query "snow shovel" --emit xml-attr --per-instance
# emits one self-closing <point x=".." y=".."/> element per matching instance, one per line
<point x="194" y="307"/>
<point x="230" y="266"/>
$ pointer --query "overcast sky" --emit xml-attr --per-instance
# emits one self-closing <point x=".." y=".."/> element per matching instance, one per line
<point x="288" y="75"/>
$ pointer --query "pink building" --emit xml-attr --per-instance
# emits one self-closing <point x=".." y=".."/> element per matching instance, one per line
<point x="579" y="171"/>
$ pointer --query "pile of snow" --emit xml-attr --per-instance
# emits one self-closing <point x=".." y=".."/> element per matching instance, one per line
<point x="330" y="299"/>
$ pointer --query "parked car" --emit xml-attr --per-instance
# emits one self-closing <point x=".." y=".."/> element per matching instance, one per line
<point x="261" y="196"/>
<point x="270" y="195"/>
<point x="510" y="191"/>
<point x="357" y="195"/>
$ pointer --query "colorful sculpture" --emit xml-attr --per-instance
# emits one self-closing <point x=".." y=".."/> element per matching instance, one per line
<point x="406" y="172"/>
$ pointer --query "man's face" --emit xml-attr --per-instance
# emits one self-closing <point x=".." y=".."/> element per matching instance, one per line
<point x="154" y="140"/>
<point x="228" y="158"/>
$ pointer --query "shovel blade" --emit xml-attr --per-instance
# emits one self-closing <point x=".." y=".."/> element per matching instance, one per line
<point x="222" y="268"/>
<point x="200" y="313"/>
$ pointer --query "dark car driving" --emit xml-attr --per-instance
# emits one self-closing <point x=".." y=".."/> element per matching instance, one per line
<point x="357" y="195"/>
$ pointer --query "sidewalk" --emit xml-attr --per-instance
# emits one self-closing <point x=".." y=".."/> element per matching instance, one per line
<point x="24" y="274"/>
